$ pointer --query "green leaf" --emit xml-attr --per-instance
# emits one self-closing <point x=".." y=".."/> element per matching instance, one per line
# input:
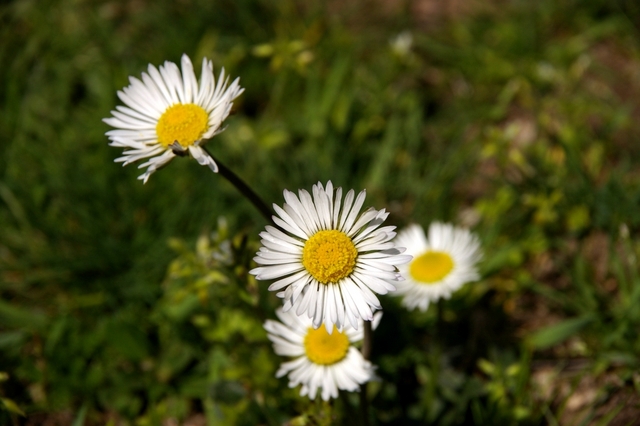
<point x="128" y="340"/>
<point x="12" y="406"/>
<point x="558" y="333"/>
<point x="13" y="316"/>
<point x="12" y="339"/>
<point x="79" y="420"/>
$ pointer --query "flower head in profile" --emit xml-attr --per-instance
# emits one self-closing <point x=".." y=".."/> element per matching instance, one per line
<point x="442" y="263"/>
<point x="329" y="258"/>
<point x="321" y="361"/>
<point x="170" y="113"/>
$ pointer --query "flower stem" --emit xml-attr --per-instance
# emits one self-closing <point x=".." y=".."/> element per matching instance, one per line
<point x="244" y="189"/>
<point x="367" y="342"/>
<point x="366" y="353"/>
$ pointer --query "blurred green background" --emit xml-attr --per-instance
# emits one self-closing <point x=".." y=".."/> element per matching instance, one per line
<point x="130" y="304"/>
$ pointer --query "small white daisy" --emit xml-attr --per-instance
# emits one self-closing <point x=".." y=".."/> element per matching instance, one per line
<point x="322" y="360"/>
<point x="328" y="257"/>
<point x="169" y="113"/>
<point x="441" y="264"/>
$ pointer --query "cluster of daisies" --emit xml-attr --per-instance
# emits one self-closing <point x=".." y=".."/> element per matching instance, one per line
<point x="327" y="258"/>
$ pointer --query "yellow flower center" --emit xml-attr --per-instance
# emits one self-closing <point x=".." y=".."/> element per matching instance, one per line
<point x="324" y="348"/>
<point x="182" y="123"/>
<point x="329" y="256"/>
<point x="431" y="267"/>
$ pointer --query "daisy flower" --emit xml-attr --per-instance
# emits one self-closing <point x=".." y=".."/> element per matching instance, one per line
<point x="169" y="113"/>
<point x="321" y="360"/>
<point x="441" y="264"/>
<point x="328" y="258"/>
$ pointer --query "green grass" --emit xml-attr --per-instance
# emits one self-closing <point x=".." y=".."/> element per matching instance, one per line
<point x="518" y="119"/>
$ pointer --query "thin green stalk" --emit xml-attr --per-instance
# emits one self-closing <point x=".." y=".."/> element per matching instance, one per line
<point x="366" y="353"/>
<point x="244" y="189"/>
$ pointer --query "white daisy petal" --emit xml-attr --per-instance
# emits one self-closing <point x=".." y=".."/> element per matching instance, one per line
<point x="359" y="299"/>
<point x="348" y="202"/>
<point x="331" y="309"/>
<point x="376" y="273"/>
<point x="294" y="207"/>
<point x="134" y="119"/>
<point x="280" y="284"/>
<point x="305" y="305"/>
<point x="297" y="213"/>
<point x="351" y="310"/>
<point x="306" y="284"/>
<point x="369" y="297"/>
<point x="189" y="81"/>
<point x="353" y="214"/>
<point x="206" y="81"/>
<point x="168" y="91"/>
<point x="270" y="272"/>
<point x="319" y="308"/>
<point x="377" y="264"/>
<point x="336" y="208"/>
<point x="366" y="218"/>
<point x="203" y="158"/>
<point x="277" y="236"/>
<point x="310" y="208"/>
<point x="171" y="75"/>
<point x="272" y="258"/>
<point x="322" y="200"/>
<point x="287" y="223"/>
<point x="168" y="95"/>
<point x="281" y="246"/>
